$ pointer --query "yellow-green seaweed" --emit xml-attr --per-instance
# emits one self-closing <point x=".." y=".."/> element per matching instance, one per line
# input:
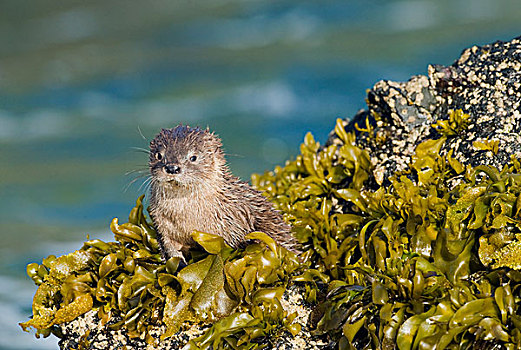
<point x="430" y="261"/>
<point x="422" y="263"/>
<point x="127" y="280"/>
<point x="456" y="123"/>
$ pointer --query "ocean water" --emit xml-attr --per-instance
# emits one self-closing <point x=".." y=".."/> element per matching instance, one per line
<point x="83" y="83"/>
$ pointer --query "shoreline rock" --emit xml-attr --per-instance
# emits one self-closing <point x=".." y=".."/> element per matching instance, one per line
<point x="484" y="82"/>
<point x="473" y="107"/>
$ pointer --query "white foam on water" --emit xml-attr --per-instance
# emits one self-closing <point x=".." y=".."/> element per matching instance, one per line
<point x="258" y="31"/>
<point x="39" y="124"/>
<point x="66" y="26"/>
<point x="475" y="10"/>
<point x="274" y="98"/>
<point x="270" y="98"/>
<point x="413" y="15"/>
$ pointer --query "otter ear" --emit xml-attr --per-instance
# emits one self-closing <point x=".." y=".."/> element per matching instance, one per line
<point x="154" y="142"/>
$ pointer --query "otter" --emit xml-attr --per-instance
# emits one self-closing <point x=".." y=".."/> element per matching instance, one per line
<point x="192" y="189"/>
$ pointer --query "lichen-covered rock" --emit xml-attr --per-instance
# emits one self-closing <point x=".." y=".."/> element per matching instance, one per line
<point x="485" y="83"/>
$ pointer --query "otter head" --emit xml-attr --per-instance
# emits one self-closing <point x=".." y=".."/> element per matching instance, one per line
<point x="185" y="156"/>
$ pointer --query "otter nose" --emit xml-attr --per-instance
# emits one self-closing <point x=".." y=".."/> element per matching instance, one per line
<point x="172" y="169"/>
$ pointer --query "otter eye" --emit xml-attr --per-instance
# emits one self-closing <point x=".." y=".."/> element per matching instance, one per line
<point x="159" y="156"/>
<point x="193" y="158"/>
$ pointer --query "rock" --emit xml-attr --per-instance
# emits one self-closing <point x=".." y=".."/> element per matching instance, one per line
<point x="485" y="82"/>
<point x="88" y="331"/>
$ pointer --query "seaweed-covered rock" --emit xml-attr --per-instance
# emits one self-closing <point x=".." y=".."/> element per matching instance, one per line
<point x="141" y="302"/>
<point x="413" y="224"/>
<point x="410" y="216"/>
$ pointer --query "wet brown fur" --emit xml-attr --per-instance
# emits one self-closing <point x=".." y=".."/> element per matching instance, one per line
<point x="203" y="195"/>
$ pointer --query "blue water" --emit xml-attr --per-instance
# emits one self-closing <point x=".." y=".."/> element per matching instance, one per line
<point x="81" y="81"/>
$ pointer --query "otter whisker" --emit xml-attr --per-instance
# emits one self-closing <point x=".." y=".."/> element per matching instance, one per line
<point x="139" y="149"/>
<point x="141" y="133"/>
<point x="139" y="171"/>
<point x="146" y="183"/>
<point x="131" y="182"/>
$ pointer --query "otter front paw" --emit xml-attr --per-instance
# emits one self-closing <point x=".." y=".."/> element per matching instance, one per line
<point x="173" y="250"/>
